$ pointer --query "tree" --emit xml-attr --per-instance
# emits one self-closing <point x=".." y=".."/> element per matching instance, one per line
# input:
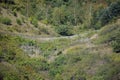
<point x="59" y="14"/>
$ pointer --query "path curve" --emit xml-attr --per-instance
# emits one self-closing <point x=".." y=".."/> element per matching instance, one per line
<point x="39" y="37"/>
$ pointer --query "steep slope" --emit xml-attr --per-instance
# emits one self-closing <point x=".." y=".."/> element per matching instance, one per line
<point x="11" y="22"/>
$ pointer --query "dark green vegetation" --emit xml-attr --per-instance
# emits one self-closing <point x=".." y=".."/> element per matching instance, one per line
<point x="105" y="16"/>
<point x="88" y="46"/>
<point x="65" y="30"/>
<point x="5" y="20"/>
<point x="19" y="21"/>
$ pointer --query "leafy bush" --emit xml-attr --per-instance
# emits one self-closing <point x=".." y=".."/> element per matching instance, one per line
<point x="19" y="21"/>
<point x="34" y="21"/>
<point x="64" y="30"/>
<point x="14" y="12"/>
<point x="5" y="20"/>
<point x="45" y="21"/>
<point x="116" y="46"/>
<point x="116" y="43"/>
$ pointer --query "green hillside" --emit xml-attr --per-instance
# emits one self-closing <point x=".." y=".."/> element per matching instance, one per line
<point x="59" y="40"/>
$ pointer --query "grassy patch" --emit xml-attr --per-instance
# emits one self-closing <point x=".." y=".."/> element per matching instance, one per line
<point x="110" y="35"/>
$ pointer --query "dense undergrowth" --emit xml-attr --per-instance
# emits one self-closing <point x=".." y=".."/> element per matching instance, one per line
<point x="86" y="63"/>
<point x="15" y="64"/>
<point x="110" y="35"/>
<point x="90" y="55"/>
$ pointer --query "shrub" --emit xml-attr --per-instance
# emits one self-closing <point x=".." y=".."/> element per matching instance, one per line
<point x="64" y="30"/>
<point x="19" y="21"/>
<point x="45" y="21"/>
<point x="116" y="46"/>
<point x="116" y="43"/>
<point x="14" y="12"/>
<point x="34" y="21"/>
<point x="5" y="20"/>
